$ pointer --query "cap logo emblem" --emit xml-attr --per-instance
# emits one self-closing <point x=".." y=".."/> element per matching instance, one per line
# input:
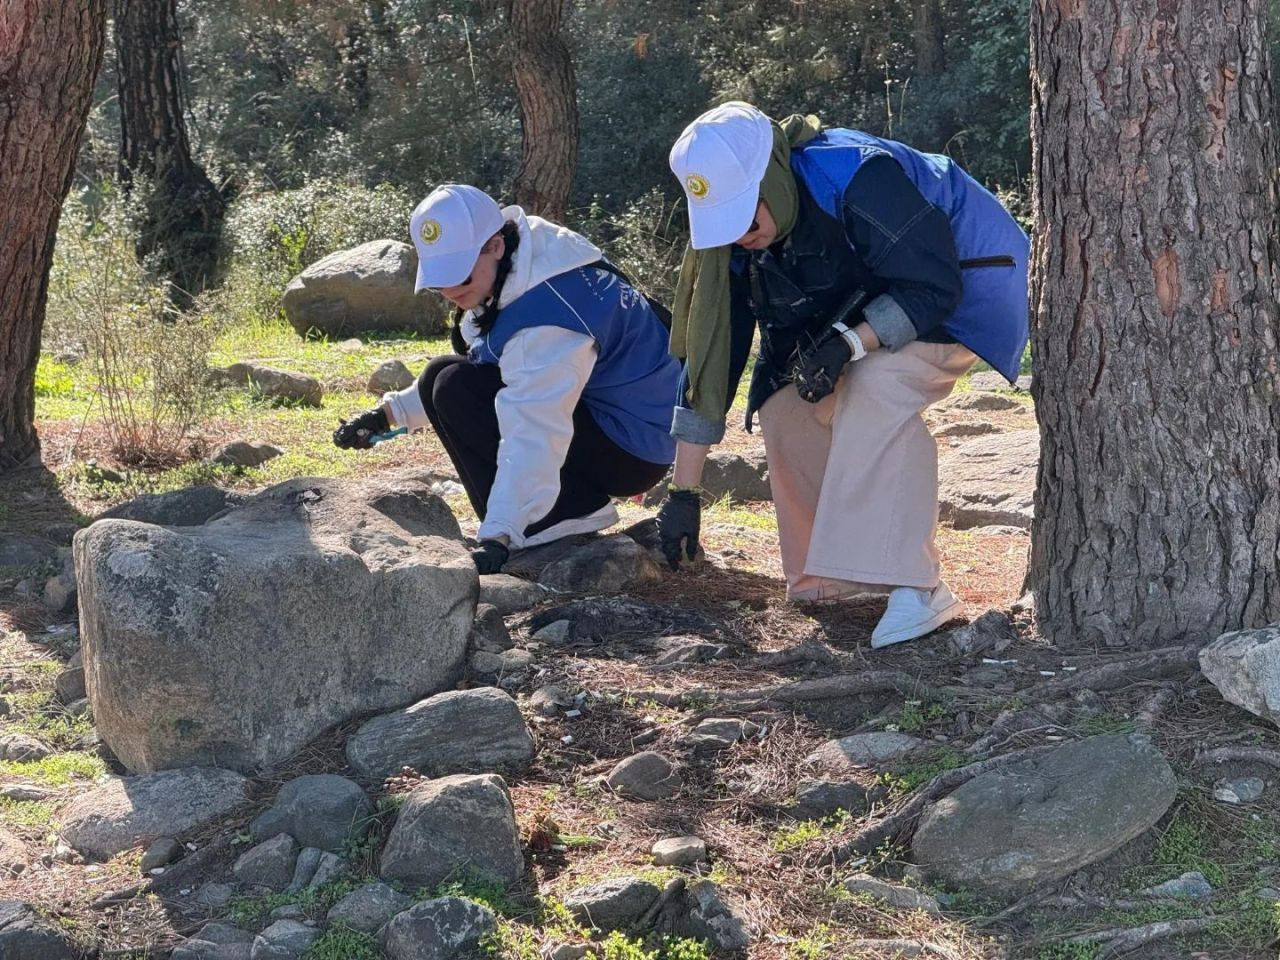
<point x="429" y="231"/>
<point x="696" y="184"/>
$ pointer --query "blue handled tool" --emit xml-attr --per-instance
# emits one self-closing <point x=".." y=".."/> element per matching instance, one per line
<point x="377" y="438"/>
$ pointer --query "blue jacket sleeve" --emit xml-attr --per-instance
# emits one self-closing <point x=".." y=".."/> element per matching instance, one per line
<point x="687" y="424"/>
<point x="907" y="242"/>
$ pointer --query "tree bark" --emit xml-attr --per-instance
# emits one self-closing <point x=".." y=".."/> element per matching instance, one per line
<point x="928" y="36"/>
<point x="182" y="223"/>
<point x="50" y="51"/>
<point x="1157" y="512"/>
<point x="547" y="90"/>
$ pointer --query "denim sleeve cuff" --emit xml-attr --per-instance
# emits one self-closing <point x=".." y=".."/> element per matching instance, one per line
<point x="692" y="427"/>
<point x="890" y="322"/>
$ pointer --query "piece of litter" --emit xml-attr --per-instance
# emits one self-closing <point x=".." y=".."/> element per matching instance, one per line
<point x="156" y="871"/>
<point x="649" y="718"/>
<point x="987" y="661"/>
<point x="559" y="847"/>
<point x="184" y="892"/>
<point x="1048" y="673"/>
<point x="192" y="846"/>
<point x="567" y="738"/>
<point x="571" y="714"/>
<point x="1070" y="669"/>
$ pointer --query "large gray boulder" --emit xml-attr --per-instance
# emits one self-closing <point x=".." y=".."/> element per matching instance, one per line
<point x="990" y="480"/>
<point x="25" y="935"/>
<point x="369" y="287"/>
<point x="120" y="813"/>
<point x="461" y="731"/>
<point x="1040" y="820"/>
<point x="188" y="507"/>
<point x="1245" y="667"/>
<point x="236" y="642"/>
<point x="460" y="823"/>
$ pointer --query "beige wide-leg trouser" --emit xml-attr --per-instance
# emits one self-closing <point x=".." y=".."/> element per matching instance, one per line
<point x="855" y="476"/>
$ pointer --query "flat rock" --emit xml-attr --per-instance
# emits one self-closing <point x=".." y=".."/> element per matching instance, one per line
<point x="816" y="799"/>
<point x="1245" y="667"/>
<point x="679" y="851"/>
<point x="992" y="631"/>
<point x="980" y="400"/>
<point x="720" y="733"/>
<point x="645" y="776"/>
<point x="1239" y="790"/>
<point x="242" y="453"/>
<point x="323" y="810"/>
<point x="442" y="929"/>
<point x="269" y="864"/>
<point x="990" y="380"/>
<point x="284" y="940"/>
<point x="502" y="665"/>
<point x="274" y="384"/>
<point x="901" y="897"/>
<point x="251" y="634"/>
<point x="738" y="476"/>
<point x="120" y="813"/>
<point x="453" y="823"/>
<point x="213" y="896"/>
<point x="21" y="747"/>
<point x="25" y="935"/>
<point x="1189" y="886"/>
<point x="188" y="507"/>
<point x="990" y="480"/>
<point x="510" y="594"/>
<point x="364" y="288"/>
<point x="462" y="731"/>
<point x="861" y="750"/>
<point x="966" y="428"/>
<point x="608" y="564"/>
<point x="489" y="633"/>
<point x="368" y="908"/>
<point x="610" y="619"/>
<point x="706" y="916"/>
<point x="69" y="684"/>
<point x="613" y="904"/>
<point x="1040" y="820"/>
<point x="549" y="700"/>
<point x="161" y="853"/>
<point x="390" y="375"/>
<point x="13" y="854"/>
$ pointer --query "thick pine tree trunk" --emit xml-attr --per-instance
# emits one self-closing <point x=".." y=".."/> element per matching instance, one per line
<point x="929" y="38"/>
<point x="1157" y="380"/>
<point x="50" y="51"/>
<point x="545" y="83"/>
<point x="184" y="210"/>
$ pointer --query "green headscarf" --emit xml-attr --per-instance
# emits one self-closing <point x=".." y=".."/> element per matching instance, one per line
<point x="700" y="315"/>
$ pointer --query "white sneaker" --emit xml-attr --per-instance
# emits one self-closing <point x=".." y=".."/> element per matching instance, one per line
<point x="913" y="612"/>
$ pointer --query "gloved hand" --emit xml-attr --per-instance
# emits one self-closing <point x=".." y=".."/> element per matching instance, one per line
<point x="490" y="555"/>
<point x="354" y="434"/>
<point x="816" y="372"/>
<point x="679" y="522"/>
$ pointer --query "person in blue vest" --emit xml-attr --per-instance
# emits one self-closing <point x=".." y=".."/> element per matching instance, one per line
<point x="876" y="275"/>
<point x="560" y="397"/>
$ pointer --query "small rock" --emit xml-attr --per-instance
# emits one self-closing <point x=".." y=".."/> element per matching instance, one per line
<point x="368" y="908"/>
<point x="270" y="864"/>
<point x="1240" y="790"/>
<point x="980" y="401"/>
<point x="685" y="651"/>
<point x="716" y="734"/>
<point x="992" y="631"/>
<point x="816" y="799"/>
<point x="160" y="854"/>
<point x="79" y="708"/>
<point x="862" y="750"/>
<point x="568" y="951"/>
<point x="276" y="384"/>
<point x="390" y="375"/>
<point x="220" y="932"/>
<point x="5" y="709"/>
<point x="440" y="929"/>
<point x="322" y="811"/>
<point x="20" y="747"/>
<point x="330" y="868"/>
<point x="737" y="476"/>
<point x="645" y="776"/>
<point x="990" y="480"/>
<point x="679" y="852"/>
<point x="1267" y="893"/>
<point x="59" y="592"/>
<point x="98" y="473"/>
<point x="23" y="792"/>
<point x="903" y="898"/>
<point x="69" y="685"/>
<point x="453" y="823"/>
<point x="349" y="345"/>
<point x="489" y="633"/>
<point x="613" y="904"/>
<point x="284" y="940"/>
<point x="13" y="854"/>
<point x="242" y="454"/>
<point x="990" y="380"/>
<point x="708" y="917"/>
<point x="1191" y="886"/>
<point x="503" y="664"/>
<point x="555" y="634"/>
<point x="213" y="896"/>
<point x="304" y="869"/>
<point x="290" y="911"/>
<point x="1245" y="667"/>
<point x="607" y="564"/>
<point x="965" y="429"/>
<point x="510" y="594"/>
<point x="548" y="701"/>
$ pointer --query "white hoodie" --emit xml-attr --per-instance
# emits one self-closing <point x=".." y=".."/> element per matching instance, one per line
<point x="544" y="369"/>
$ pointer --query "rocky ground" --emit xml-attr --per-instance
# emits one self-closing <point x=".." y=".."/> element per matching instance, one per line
<point x="620" y="762"/>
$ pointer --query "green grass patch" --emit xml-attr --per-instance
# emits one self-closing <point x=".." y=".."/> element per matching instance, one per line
<point x="618" y="946"/>
<point x="38" y="714"/>
<point x="1068" y="951"/>
<point x="480" y="889"/>
<point x="27" y="814"/>
<point x="795" y="835"/>
<point x="910" y="775"/>
<point x="253" y="911"/>
<point x="916" y="715"/>
<point x="57" y="769"/>
<point x="1184" y="846"/>
<point x="53" y="379"/>
<point x="340" y="942"/>
<point x="1105" y="724"/>
<point x="814" y="945"/>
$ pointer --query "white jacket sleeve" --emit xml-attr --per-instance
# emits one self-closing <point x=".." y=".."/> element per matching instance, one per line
<point x="545" y="370"/>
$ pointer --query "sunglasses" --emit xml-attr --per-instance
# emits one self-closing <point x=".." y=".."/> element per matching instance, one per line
<point x="464" y="283"/>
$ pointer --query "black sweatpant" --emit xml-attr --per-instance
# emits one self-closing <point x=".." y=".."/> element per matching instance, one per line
<point x="458" y="396"/>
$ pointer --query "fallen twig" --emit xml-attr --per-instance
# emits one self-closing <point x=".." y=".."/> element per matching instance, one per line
<point x="1155" y="705"/>
<point x="1242" y="754"/>
<point x="1118" y="940"/>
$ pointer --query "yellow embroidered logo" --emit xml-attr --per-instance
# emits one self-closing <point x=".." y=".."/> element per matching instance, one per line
<point x="696" y="185"/>
<point x="429" y="231"/>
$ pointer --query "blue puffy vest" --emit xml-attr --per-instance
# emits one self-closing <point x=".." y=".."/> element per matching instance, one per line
<point x="991" y="318"/>
<point x="633" y="385"/>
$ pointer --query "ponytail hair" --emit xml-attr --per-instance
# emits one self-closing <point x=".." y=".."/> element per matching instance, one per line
<point x="486" y="315"/>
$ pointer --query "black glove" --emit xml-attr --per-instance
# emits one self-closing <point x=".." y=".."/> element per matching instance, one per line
<point x="354" y="434"/>
<point x="490" y="556"/>
<point x="816" y="372"/>
<point x="679" y="522"/>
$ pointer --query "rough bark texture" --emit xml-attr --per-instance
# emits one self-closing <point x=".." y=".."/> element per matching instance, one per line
<point x="184" y="210"/>
<point x="928" y="36"/>
<point x="50" y="51"/>
<point x="1154" y="321"/>
<point x="545" y="82"/>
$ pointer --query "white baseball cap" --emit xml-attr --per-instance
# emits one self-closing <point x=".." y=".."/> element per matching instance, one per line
<point x="720" y="160"/>
<point x="449" y="228"/>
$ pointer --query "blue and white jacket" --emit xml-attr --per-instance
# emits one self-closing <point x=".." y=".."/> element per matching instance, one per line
<point x="938" y="255"/>
<point x="566" y="331"/>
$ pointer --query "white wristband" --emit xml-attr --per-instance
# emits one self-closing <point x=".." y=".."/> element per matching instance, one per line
<point x="851" y="337"/>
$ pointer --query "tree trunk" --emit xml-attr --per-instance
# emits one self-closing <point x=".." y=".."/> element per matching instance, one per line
<point x="1155" y="327"/>
<point x="183" y="216"/>
<point x="928" y="36"/>
<point x="50" y="51"/>
<point x="545" y="83"/>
